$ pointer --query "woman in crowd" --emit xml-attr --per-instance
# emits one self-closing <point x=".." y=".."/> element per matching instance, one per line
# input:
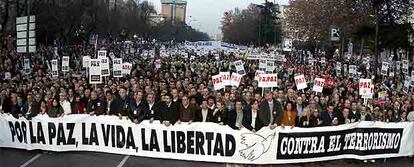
<point x="219" y="113"/>
<point x="55" y="110"/>
<point x="316" y="119"/>
<point x="289" y="115"/>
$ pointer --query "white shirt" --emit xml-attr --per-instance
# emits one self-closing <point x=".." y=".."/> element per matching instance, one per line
<point x="66" y="107"/>
<point x="204" y="112"/>
<point x="254" y="115"/>
<point x="150" y="107"/>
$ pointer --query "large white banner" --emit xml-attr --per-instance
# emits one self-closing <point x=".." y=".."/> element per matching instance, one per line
<point x="208" y="141"/>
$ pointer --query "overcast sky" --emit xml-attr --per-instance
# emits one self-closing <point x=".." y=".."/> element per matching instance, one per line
<point x="206" y="14"/>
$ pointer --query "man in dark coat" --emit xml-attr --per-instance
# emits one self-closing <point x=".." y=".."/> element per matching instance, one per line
<point x="172" y="112"/>
<point x="139" y="107"/>
<point x="270" y="111"/>
<point x="330" y="117"/>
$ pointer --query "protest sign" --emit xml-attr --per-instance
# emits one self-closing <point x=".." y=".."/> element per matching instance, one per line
<point x="267" y="80"/>
<point x="405" y="66"/>
<point x="26" y="67"/>
<point x="104" y="66"/>
<point x="239" y="67"/>
<point x="300" y="82"/>
<point x="55" y="68"/>
<point x="352" y="69"/>
<point x="218" y="82"/>
<point x="101" y="53"/>
<point x="384" y="68"/>
<point x="270" y="66"/>
<point x="95" y="73"/>
<point x="365" y="86"/>
<point x="406" y="87"/>
<point x="157" y="63"/>
<point x="117" y="67"/>
<point x="235" y="79"/>
<point x="85" y="61"/>
<point x="126" y="68"/>
<point x="65" y="63"/>
<point x="318" y="85"/>
<point x="211" y="142"/>
<point x="225" y="77"/>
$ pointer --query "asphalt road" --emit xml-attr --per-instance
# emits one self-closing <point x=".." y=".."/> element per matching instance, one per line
<point x="15" y="157"/>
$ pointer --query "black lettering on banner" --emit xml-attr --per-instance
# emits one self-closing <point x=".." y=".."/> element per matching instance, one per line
<point x="357" y="141"/>
<point x="167" y="148"/>
<point x="199" y="143"/>
<point x="173" y="141"/>
<point x="154" y="141"/>
<point x="120" y="137"/>
<point x="93" y="135"/>
<point x="230" y="145"/>
<point x="105" y="133"/>
<point x="12" y="130"/>
<point x="18" y="132"/>
<point x="145" y="146"/>
<point x="180" y="142"/>
<point x="85" y="140"/>
<point x="209" y="138"/>
<point x="190" y="142"/>
<point x="218" y="146"/>
<point x="32" y="137"/>
<point x="130" y="139"/>
<point x="71" y="128"/>
<point x="52" y="132"/>
<point x="61" y="135"/>
<point x="24" y="132"/>
<point x="40" y="134"/>
<point x="113" y="135"/>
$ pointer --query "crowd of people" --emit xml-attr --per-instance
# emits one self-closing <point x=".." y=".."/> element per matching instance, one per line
<point x="181" y="90"/>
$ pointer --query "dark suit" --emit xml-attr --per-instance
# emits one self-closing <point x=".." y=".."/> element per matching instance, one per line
<point x="355" y="116"/>
<point x="121" y="106"/>
<point x="264" y="112"/>
<point x="219" y="117"/>
<point x="97" y="106"/>
<point x="171" y="113"/>
<point x="247" y="121"/>
<point x="327" y="119"/>
<point x="199" y="115"/>
<point x="232" y="118"/>
<point x="139" y="111"/>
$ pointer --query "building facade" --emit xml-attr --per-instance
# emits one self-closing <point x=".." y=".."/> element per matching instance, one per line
<point x="174" y="10"/>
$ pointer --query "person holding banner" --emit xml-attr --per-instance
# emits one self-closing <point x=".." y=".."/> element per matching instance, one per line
<point x="235" y="117"/>
<point x="121" y="106"/>
<point x="55" y="110"/>
<point x="270" y="111"/>
<point x="220" y="114"/>
<point x="251" y="119"/>
<point x="187" y="111"/>
<point x="330" y="117"/>
<point x="138" y="107"/>
<point x="289" y="116"/>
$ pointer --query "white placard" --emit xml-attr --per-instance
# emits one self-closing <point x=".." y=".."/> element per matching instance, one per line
<point x="95" y="76"/>
<point x="102" y="53"/>
<point x="239" y="67"/>
<point x="300" y="82"/>
<point x="262" y="63"/>
<point x="117" y="67"/>
<point x="406" y="87"/>
<point x="270" y="66"/>
<point x="157" y="63"/>
<point x="85" y="61"/>
<point x="267" y="80"/>
<point x="318" y="85"/>
<point x="405" y="66"/>
<point x="365" y="87"/>
<point x="218" y="82"/>
<point x="384" y="68"/>
<point x="65" y="63"/>
<point x="235" y="79"/>
<point x="126" y="68"/>
<point x="26" y="67"/>
<point x="225" y="77"/>
<point x="104" y="66"/>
